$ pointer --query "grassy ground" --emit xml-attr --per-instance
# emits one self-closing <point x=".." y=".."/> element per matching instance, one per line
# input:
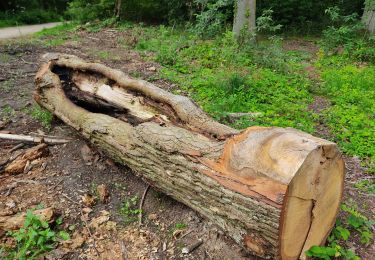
<point x="288" y="83"/>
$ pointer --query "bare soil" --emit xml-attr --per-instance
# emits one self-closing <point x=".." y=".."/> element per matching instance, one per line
<point x="72" y="170"/>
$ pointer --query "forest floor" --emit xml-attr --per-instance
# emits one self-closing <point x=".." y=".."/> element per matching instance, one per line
<point x="109" y="230"/>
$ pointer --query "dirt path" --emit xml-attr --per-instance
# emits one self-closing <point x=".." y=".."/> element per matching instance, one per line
<point x="17" y="31"/>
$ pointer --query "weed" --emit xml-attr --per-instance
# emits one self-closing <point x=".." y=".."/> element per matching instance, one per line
<point x="7" y="85"/>
<point x="129" y="210"/>
<point x="42" y="115"/>
<point x="4" y="57"/>
<point x="180" y="226"/>
<point x="34" y="238"/>
<point x="7" y="112"/>
<point x="366" y="186"/>
<point x="355" y="222"/>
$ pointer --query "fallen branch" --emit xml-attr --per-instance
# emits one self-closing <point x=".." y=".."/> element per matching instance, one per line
<point x="34" y="139"/>
<point x="141" y="205"/>
<point x="192" y="247"/>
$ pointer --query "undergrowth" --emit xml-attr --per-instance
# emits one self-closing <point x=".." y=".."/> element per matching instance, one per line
<point x="224" y="77"/>
<point x="355" y="224"/>
<point x="33" y="239"/>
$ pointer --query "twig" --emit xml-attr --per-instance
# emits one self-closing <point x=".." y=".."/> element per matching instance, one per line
<point x="187" y="233"/>
<point x="27" y="62"/>
<point x="141" y="205"/>
<point x="89" y="231"/>
<point x="124" y="252"/>
<point x="34" y="139"/>
<point x="192" y="247"/>
<point x="71" y="200"/>
<point x="54" y="186"/>
<point x="18" y="146"/>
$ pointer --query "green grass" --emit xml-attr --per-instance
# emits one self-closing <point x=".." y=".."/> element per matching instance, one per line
<point x="42" y="115"/>
<point x="7" y="85"/>
<point x="57" y="35"/>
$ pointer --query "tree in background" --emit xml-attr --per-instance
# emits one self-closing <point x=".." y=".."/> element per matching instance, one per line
<point x="244" y="17"/>
<point x="368" y="17"/>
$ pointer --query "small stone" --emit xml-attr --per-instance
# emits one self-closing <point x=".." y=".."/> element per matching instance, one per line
<point x="152" y="216"/>
<point x="151" y="68"/>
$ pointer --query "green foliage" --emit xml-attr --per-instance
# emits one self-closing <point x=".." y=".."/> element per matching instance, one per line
<point x="343" y="30"/>
<point x="213" y="18"/>
<point x="42" y="115"/>
<point x="34" y="238"/>
<point x="180" y="226"/>
<point x="366" y="186"/>
<point x="18" y="12"/>
<point x="129" y="209"/>
<point x="224" y="77"/>
<point x="355" y="221"/>
<point x="171" y="11"/>
<point x="360" y="223"/>
<point x="351" y="117"/>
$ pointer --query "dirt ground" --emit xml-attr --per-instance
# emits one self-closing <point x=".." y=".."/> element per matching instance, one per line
<point x="74" y="169"/>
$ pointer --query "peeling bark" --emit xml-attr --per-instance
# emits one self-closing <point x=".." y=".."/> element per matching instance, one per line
<point x="257" y="184"/>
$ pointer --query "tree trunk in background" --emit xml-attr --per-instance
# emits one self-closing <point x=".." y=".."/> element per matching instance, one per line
<point x="118" y="8"/>
<point x="368" y="17"/>
<point x="244" y="17"/>
<point x="275" y="191"/>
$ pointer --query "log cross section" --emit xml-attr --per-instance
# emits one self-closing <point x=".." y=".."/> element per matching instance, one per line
<point x="275" y="191"/>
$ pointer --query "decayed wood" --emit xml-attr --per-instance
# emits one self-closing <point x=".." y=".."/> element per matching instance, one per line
<point x="18" y="165"/>
<point x="16" y="221"/>
<point x="275" y="191"/>
<point x="34" y="139"/>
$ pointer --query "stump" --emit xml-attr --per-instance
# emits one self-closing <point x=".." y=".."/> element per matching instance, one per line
<point x="275" y="191"/>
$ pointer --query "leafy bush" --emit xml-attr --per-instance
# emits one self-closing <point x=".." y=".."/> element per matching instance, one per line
<point x="34" y="238"/>
<point x="213" y="18"/>
<point x="343" y="31"/>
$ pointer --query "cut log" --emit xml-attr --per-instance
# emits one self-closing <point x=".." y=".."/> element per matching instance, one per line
<point x="275" y="191"/>
<point x="8" y="223"/>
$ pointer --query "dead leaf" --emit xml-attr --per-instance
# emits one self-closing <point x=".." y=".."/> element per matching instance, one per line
<point x="103" y="193"/>
<point x="88" y="200"/>
<point x="87" y="154"/>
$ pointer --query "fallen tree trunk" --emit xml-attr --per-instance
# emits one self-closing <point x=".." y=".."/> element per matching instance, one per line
<point x="275" y="191"/>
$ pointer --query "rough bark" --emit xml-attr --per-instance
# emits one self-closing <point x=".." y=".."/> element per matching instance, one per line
<point x="368" y="17"/>
<point x="244" y="17"/>
<point x="275" y="191"/>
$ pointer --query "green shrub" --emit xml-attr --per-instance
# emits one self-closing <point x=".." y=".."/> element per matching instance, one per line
<point x="34" y="238"/>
